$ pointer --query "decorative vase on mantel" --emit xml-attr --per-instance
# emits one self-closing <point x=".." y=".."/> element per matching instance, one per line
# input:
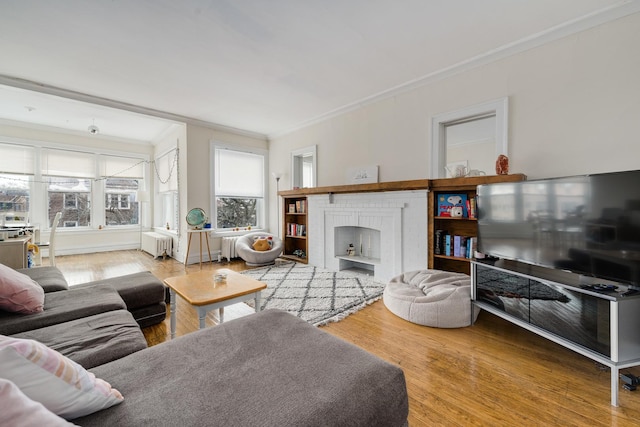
<point x="502" y="165"/>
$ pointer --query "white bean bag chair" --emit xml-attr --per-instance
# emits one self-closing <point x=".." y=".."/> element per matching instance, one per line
<point x="435" y="298"/>
<point x="253" y="258"/>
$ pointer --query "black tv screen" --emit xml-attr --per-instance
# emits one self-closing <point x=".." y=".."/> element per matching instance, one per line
<point x="587" y="224"/>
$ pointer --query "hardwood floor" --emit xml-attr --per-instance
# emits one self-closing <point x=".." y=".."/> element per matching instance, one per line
<point x="490" y="374"/>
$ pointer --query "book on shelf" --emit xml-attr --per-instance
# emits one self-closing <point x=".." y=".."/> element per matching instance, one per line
<point x="296" y="230"/>
<point x="454" y="245"/>
<point x="300" y="206"/>
<point x="292" y="208"/>
<point x="447" y="244"/>
<point x="450" y="205"/>
<point x="438" y="244"/>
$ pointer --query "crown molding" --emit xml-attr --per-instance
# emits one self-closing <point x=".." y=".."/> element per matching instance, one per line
<point x="105" y="102"/>
<point x="599" y="17"/>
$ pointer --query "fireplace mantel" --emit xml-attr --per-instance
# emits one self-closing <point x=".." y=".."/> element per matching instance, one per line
<point x="416" y="184"/>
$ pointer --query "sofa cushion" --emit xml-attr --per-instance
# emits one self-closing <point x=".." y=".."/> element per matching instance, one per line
<point x="63" y="306"/>
<point x="18" y="409"/>
<point x="61" y="385"/>
<point x="137" y="289"/>
<point x="268" y="368"/>
<point x="94" y="340"/>
<point x="19" y="293"/>
<point x="50" y="278"/>
<point x="150" y="314"/>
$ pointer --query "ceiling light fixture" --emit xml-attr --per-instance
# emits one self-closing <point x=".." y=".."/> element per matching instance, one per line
<point x="93" y="129"/>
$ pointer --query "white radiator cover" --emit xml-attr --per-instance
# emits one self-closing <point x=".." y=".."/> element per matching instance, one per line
<point x="157" y="244"/>
<point x="229" y="247"/>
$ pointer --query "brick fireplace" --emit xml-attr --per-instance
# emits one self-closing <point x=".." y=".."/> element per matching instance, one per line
<point x="387" y="229"/>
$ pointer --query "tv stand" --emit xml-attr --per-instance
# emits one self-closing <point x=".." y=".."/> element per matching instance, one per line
<point x="603" y="322"/>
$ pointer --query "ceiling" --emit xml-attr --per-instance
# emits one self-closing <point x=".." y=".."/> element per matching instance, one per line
<point x="263" y="67"/>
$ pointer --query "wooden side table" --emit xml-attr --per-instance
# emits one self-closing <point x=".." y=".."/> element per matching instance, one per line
<point x="200" y="232"/>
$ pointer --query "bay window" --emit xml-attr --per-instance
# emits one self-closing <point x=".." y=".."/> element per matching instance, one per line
<point x="166" y="166"/>
<point x="16" y="176"/>
<point x="69" y="175"/>
<point x="123" y="180"/>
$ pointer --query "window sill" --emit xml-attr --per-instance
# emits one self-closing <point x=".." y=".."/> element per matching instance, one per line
<point x="237" y="233"/>
<point x="163" y="230"/>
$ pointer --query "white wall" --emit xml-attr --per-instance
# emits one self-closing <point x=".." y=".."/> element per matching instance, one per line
<point x="574" y="108"/>
<point x="197" y="179"/>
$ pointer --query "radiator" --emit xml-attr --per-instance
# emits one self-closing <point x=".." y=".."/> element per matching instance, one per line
<point x="157" y="244"/>
<point x="229" y="247"/>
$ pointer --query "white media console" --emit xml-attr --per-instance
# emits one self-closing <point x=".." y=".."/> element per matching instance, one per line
<point x="603" y="325"/>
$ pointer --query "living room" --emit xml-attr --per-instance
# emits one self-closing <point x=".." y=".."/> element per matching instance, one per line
<point x="573" y="102"/>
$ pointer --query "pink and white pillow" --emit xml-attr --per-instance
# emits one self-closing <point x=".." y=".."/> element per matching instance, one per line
<point x="17" y="409"/>
<point x="19" y="293"/>
<point x="46" y="376"/>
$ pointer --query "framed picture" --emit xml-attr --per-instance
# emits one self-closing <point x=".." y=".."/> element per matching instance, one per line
<point x="362" y="175"/>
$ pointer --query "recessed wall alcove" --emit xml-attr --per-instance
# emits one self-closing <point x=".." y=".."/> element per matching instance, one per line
<point x="366" y="247"/>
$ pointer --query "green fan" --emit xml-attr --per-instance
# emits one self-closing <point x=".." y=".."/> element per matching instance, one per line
<point x="196" y="218"/>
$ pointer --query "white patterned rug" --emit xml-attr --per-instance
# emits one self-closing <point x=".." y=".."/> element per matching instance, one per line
<point x="314" y="294"/>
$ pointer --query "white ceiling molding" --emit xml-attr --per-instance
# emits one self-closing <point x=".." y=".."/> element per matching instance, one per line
<point x="110" y="103"/>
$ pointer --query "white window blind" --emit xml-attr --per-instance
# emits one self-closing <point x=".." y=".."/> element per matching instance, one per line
<point x="239" y="174"/>
<point x="121" y="167"/>
<point x="16" y="159"/>
<point x="167" y="172"/>
<point x="68" y="163"/>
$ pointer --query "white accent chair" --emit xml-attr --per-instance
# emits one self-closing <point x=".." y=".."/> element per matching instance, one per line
<point x="253" y="258"/>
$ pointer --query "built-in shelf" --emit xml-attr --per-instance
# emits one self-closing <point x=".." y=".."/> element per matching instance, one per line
<point x="359" y="259"/>
<point x="294" y="227"/>
<point x="448" y="218"/>
<point x="294" y="258"/>
<point x="456" y="226"/>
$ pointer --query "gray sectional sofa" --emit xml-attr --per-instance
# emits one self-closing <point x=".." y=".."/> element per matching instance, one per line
<point x="93" y="323"/>
<point x="266" y="369"/>
<point x="270" y="368"/>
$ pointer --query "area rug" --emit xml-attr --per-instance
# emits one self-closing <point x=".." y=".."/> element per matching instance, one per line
<point x="316" y="295"/>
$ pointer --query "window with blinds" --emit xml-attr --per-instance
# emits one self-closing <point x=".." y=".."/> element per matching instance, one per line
<point x="17" y="165"/>
<point x="239" y="185"/>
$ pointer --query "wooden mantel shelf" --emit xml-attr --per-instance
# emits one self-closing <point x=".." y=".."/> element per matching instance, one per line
<point x="417" y="184"/>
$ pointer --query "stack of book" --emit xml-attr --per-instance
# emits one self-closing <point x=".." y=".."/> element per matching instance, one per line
<point x="454" y="245"/>
<point x="300" y="206"/>
<point x="296" y="229"/>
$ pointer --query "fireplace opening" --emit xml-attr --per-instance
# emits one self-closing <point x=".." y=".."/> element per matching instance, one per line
<point x="357" y="247"/>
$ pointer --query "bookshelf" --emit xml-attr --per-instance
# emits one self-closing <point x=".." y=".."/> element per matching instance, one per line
<point x="295" y="228"/>
<point x="465" y="226"/>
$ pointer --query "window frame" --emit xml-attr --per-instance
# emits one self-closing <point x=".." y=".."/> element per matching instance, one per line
<point x="261" y="204"/>
<point x="38" y="192"/>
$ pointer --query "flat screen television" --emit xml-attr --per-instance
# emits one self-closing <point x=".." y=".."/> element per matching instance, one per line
<point x="587" y="224"/>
